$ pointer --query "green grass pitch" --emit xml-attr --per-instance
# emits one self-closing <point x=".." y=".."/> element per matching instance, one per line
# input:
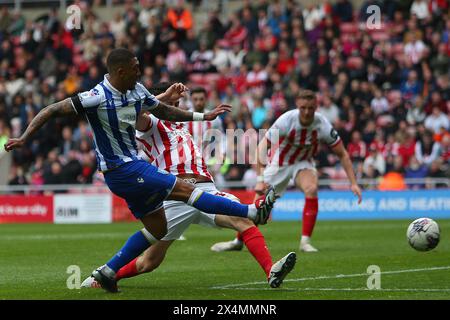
<point x="34" y="261"/>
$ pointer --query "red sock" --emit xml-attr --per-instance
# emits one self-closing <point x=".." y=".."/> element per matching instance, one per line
<point x="254" y="240"/>
<point x="127" y="271"/>
<point x="309" y="216"/>
<point x="239" y="236"/>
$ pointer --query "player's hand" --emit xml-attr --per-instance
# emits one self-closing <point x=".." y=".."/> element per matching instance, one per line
<point x="357" y="192"/>
<point x="220" y="109"/>
<point x="14" y="143"/>
<point x="175" y="92"/>
<point x="261" y="188"/>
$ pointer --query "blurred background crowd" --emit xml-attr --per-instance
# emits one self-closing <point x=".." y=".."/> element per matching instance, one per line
<point x="384" y="85"/>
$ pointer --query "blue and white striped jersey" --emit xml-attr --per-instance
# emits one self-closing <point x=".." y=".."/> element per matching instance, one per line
<point x="112" y="116"/>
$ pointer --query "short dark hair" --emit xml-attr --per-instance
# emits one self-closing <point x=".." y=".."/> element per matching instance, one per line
<point x="306" y="95"/>
<point x="159" y="88"/>
<point x="199" y="90"/>
<point x="117" y="58"/>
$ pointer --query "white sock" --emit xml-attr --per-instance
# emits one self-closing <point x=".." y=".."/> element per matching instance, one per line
<point x="109" y="272"/>
<point x="251" y="211"/>
<point x="305" y="239"/>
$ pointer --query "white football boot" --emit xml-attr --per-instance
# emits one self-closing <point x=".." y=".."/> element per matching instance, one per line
<point x="90" y="282"/>
<point x="280" y="269"/>
<point x="233" y="245"/>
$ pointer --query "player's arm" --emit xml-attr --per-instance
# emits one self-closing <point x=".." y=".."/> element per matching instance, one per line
<point x="170" y="96"/>
<point x="58" y="109"/>
<point x="174" y="93"/>
<point x="166" y="112"/>
<point x="346" y="163"/>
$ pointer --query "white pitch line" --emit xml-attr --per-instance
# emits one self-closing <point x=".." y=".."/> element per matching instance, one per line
<point x="338" y="276"/>
<point x="347" y="289"/>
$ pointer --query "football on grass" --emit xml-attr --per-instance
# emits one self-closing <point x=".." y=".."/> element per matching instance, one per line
<point x="423" y="234"/>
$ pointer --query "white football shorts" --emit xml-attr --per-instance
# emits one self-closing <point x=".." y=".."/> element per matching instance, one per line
<point x="280" y="177"/>
<point x="180" y="215"/>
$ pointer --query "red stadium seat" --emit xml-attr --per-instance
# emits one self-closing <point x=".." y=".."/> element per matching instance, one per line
<point x="379" y="36"/>
<point x="348" y="27"/>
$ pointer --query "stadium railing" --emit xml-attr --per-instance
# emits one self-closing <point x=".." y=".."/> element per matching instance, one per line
<point x="326" y="184"/>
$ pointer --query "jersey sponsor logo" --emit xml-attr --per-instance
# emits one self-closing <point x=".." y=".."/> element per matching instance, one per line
<point x="88" y="94"/>
<point x="127" y="115"/>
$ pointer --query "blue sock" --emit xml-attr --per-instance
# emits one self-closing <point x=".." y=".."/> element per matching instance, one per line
<point x="135" y="245"/>
<point x="210" y="203"/>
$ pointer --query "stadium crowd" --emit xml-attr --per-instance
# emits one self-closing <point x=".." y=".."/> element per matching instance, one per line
<point x="384" y="85"/>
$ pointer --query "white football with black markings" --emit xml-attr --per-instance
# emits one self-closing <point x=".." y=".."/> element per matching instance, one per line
<point x="423" y="234"/>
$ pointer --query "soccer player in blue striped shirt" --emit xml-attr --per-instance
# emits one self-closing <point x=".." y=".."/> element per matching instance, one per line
<point x="112" y="108"/>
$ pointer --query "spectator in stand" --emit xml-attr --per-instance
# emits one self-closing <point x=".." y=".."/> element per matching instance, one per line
<point x="343" y="10"/>
<point x="437" y="120"/>
<point x="436" y="172"/>
<point x="415" y="170"/>
<point x="329" y="109"/>
<point x="375" y="160"/>
<point x="427" y="150"/>
<point x="176" y="62"/>
<point x="405" y="145"/>
<point x="357" y="149"/>
<point x="420" y="9"/>
<point x="436" y="101"/>
<point x="257" y="77"/>
<point x="180" y="19"/>
<point x="67" y="144"/>
<point x="236" y="34"/>
<point x="277" y="17"/>
<point x="416" y="113"/>
<point x="201" y="59"/>
<point x="379" y="103"/>
<point x="415" y="48"/>
<point x="411" y="88"/>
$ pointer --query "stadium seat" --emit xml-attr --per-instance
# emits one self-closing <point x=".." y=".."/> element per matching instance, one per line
<point x="349" y="27"/>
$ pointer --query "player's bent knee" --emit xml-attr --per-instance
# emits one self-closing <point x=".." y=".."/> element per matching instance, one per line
<point x="311" y="191"/>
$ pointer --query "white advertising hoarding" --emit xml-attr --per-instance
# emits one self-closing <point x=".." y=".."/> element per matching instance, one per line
<point x="83" y="208"/>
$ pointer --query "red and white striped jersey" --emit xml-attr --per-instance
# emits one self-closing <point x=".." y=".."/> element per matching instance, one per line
<point x="170" y="147"/>
<point x="291" y="142"/>
<point x="200" y="131"/>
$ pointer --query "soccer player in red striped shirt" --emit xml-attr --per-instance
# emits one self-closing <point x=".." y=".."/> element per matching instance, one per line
<point x="292" y="142"/>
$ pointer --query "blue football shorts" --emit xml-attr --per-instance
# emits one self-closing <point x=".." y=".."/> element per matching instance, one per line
<point x="143" y="186"/>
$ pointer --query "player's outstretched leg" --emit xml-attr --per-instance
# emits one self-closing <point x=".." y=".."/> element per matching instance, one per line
<point x="135" y="245"/>
<point x="259" y="212"/>
<point x="106" y="274"/>
<point x="256" y="245"/>
<point x="149" y="261"/>
<point x="281" y="269"/>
